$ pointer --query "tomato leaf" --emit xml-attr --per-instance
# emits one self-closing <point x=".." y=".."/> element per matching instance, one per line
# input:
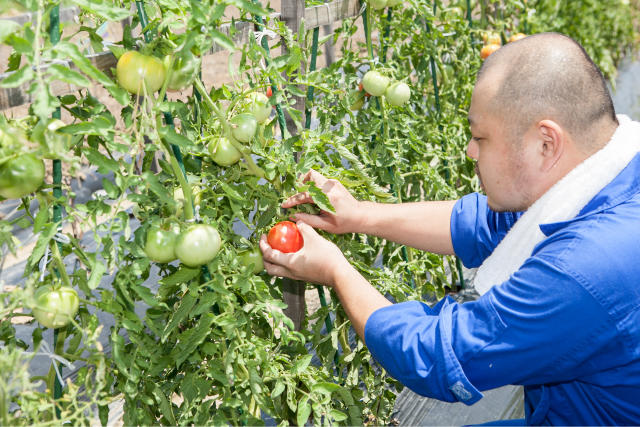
<point x="222" y="40"/>
<point x="97" y="270"/>
<point x="183" y="275"/>
<point x="157" y="188"/>
<point x="304" y="410"/>
<point x="325" y="387"/>
<point x="201" y="330"/>
<point x="175" y="138"/>
<point x="301" y="365"/>
<point x="96" y="158"/>
<point x="18" y="78"/>
<point x="319" y="197"/>
<point x="64" y="74"/>
<point x="187" y="303"/>
<point x="278" y="388"/>
<point x="7" y="27"/>
<point x="38" y="251"/>
<point x="103" y="9"/>
<point x="337" y="415"/>
<point x="250" y="7"/>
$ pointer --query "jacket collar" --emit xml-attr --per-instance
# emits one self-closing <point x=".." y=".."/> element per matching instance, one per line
<point x="622" y="188"/>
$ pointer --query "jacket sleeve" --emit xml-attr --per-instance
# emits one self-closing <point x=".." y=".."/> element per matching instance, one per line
<point x="476" y="230"/>
<point x="523" y="332"/>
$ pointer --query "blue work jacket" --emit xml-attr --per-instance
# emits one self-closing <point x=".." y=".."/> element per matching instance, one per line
<point x="566" y="325"/>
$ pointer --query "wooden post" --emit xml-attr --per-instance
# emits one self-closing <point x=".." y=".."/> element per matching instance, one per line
<point x="292" y="12"/>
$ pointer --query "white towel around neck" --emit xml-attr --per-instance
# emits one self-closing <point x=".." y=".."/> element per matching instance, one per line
<point x="561" y="203"/>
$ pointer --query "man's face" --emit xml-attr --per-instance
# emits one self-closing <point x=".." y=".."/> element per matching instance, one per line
<point x="502" y="165"/>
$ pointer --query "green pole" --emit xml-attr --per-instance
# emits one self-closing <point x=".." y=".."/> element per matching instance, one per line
<point x="436" y="93"/>
<point x="54" y="35"/>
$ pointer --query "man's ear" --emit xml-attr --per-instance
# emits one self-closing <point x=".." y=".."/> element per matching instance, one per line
<point x="551" y="143"/>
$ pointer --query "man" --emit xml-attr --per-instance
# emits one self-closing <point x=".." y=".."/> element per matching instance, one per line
<point x="560" y="313"/>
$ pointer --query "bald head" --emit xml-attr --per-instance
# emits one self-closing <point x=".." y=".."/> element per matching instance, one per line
<point x="547" y="76"/>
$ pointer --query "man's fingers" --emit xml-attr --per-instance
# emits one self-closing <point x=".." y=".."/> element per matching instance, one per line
<point x="314" y="176"/>
<point x="298" y="199"/>
<point x="306" y="230"/>
<point x="276" y="270"/>
<point x="315" y="221"/>
<point x="272" y="255"/>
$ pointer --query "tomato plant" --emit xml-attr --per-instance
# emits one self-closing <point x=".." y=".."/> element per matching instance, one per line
<point x="55" y="307"/>
<point x="20" y="176"/>
<point x="135" y="70"/>
<point x="285" y="237"/>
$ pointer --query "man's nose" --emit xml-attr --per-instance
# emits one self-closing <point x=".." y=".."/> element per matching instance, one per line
<point x="473" y="149"/>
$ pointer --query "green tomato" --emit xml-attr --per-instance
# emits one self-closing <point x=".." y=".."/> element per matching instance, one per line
<point x="55" y="308"/>
<point x="160" y="244"/>
<point x="253" y="256"/>
<point x="185" y="70"/>
<point x="21" y="176"/>
<point x="258" y="106"/>
<point x="134" y="67"/>
<point x="223" y="152"/>
<point x="198" y="245"/>
<point x="393" y="3"/>
<point x="398" y="94"/>
<point x="244" y="127"/>
<point x="356" y="98"/>
<point x="178" y="196"/>
<point x="377" y="4"/>
<point x="375" y="83"/>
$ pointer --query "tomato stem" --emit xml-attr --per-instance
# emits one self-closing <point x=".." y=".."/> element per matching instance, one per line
<point x="55" y="253"/>
<point x="186" y="189"/>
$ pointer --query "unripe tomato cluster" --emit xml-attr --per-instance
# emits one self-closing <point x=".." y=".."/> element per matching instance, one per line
<point x="376" y="84"/>
<point x="493" y="42"/>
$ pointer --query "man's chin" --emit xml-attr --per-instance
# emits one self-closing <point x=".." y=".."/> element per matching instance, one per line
<point x="501" y="208"/>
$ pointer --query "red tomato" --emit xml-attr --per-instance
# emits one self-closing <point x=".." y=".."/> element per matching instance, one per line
<point x="285" y="237"/>
<point x="269" y="92"/>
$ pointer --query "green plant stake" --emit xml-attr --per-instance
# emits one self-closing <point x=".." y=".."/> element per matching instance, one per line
<point x="436" y="93"/>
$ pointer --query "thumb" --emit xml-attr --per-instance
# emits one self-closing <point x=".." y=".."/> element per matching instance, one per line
<point x="315" y="221"/>
<point x="306" y="230"/>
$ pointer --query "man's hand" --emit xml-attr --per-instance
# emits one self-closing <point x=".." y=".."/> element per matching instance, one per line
<point x="350" y="212"/>
<point x="319" y="261"/>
